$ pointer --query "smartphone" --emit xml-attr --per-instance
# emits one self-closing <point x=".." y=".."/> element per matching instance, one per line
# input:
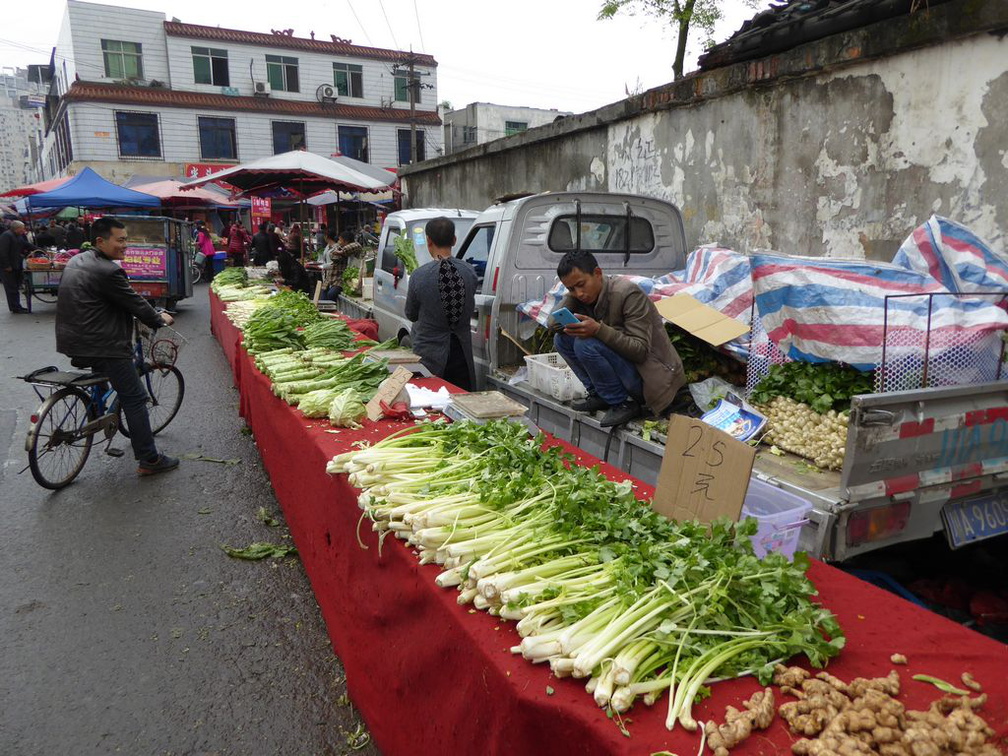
<point x="564" y="317"/>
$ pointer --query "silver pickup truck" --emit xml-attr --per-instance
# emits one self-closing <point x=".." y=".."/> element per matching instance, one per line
<point x="916" y="462"/>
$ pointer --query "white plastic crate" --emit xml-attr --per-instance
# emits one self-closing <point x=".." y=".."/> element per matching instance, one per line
<point x="549" y="374"/>
<point x="780" y="515"/>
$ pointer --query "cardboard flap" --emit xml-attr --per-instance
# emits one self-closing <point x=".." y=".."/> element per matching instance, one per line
<point x="388" y="391"/>
<point x="700" y="320"/>
<point x="704" y="474"/>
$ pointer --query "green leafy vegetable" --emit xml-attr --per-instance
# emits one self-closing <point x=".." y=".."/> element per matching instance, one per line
<point x="259" y="550"/>
<point x="600" y="584"/>
<point x="350" y="280"/>
<point x="821" y="385"/>
<point x="347" y="410"/>
<point x="266" y="518"/>
<point x="406" y="252"/>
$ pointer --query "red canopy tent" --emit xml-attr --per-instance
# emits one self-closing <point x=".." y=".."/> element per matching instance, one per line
<point x="39" y="187"/>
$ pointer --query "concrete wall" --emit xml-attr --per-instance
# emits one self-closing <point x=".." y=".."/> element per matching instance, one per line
<point x="837" y="148"/>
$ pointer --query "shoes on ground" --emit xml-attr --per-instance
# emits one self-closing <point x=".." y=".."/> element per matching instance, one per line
<point x="163" y="463"/>
<point x="20" y="311"/>
<point x="621" y="413"/>
<point x="591" y="403"/>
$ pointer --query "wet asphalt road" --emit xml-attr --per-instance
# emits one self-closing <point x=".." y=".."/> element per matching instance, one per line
<point x="124" y="628"/>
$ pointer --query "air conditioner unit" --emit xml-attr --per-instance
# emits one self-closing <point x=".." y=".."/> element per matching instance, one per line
<point x="262" y="89"/>
<point x="326" y="93"/>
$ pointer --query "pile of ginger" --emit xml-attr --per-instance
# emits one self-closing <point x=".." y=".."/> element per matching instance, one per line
<point x="836" y="718"/>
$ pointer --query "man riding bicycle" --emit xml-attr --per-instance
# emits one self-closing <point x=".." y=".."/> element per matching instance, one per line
<point x="94" y="327"/>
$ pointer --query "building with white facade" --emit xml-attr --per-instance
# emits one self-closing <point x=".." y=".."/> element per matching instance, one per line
<point x="20" y="123"/>
<point x="136" y="94"/>
<point x="480" y="122"/>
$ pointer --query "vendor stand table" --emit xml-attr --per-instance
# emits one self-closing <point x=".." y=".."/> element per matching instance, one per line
<point x="430" y="676"/>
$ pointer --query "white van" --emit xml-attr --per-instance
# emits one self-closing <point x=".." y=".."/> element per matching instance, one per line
<point x="516" y="246"/>
<point x="390" y="281"/>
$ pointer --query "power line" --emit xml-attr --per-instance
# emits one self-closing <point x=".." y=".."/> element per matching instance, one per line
<point x="416" y="11"/>
<point x="363" y="30"/>
<point x="388" y="23"/>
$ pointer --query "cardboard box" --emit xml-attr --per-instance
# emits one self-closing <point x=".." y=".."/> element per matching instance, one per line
<point x="704" y="474"/>
<point x="700" y="320"/>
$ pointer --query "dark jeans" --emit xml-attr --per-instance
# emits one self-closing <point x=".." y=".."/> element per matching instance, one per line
<point x="332" y="293"/>
<point x="122" y="374"/>
<point x="12" y="288"/>
<point x="602" y="371"/>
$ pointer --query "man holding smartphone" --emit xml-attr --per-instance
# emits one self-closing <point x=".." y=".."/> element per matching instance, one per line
<point x="618" y="348"/>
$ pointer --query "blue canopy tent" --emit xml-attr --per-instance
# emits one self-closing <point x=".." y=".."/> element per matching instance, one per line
<point x="88" y="189"/>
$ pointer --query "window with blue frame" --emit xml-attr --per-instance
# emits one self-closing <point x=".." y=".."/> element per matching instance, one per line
<point x="353" y="142"/>
<point x="217" y="138"/>
<point x="139" y="134"/>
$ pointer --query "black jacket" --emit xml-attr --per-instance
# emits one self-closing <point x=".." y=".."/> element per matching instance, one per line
<point x="96" y="307"/>
<point x="262" y="248"/>
<point x="13" y="250"/>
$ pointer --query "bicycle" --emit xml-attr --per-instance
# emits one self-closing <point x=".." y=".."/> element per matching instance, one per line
<point x="82" y="404"/>
<point x="196" y="269"/>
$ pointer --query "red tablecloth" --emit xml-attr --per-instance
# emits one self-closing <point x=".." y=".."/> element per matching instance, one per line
<point x="430" y="676"/>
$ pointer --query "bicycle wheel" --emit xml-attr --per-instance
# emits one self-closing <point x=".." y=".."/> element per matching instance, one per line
<point x="56" y="451"/>
<point x="197" y="272"/>
<point x="165" y="389"/>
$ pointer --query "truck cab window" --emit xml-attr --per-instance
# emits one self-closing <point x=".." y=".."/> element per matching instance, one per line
<point x="388" y="258"/>
<point x="601" y="233"/>
<point x="476" y="248"/>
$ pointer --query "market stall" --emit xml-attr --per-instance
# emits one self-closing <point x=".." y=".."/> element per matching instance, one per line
<point x="157" y="260"/>
<point x="431" y="676"/>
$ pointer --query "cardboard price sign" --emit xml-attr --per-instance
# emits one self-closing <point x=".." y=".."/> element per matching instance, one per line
<point x="704" y="474"/>
<point x="390" y="388"/>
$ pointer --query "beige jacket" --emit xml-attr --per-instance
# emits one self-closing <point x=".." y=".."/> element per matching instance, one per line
<point x="632" y="327"/>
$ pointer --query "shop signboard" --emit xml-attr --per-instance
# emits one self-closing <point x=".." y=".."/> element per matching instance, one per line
<point x="146" y="263"/>
<point x="262" y="210"/>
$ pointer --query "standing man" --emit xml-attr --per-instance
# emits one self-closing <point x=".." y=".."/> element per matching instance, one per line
<point x="14" y="248"/>
<point x="94" y="327"/>
<point x="440" y="300"/>
<point x="619" y="350"/>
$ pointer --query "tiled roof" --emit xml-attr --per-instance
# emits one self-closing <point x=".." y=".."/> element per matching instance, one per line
<point x="87" y="91"/>
<point x="791" y="23"/>
<point x="329" y="47"/>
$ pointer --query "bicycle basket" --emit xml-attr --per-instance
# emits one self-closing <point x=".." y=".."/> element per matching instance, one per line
<point x="162" y="346"/>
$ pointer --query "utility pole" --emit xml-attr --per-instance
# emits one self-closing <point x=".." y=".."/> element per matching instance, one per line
<point x="413" y="86"/>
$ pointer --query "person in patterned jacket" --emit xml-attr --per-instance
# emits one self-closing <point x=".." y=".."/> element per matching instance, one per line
<point x="440" y="301"/>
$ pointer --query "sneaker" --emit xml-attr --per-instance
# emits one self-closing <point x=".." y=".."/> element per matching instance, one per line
<point x="592" y="403"/>
<point x="163" y="463"/>
<point x="621" y="413"/>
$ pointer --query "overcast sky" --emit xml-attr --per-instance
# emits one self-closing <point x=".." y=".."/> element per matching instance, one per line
<point x="538" y="53"/>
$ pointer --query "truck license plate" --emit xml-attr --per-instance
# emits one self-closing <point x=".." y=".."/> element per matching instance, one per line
<point x="970" y="520"/>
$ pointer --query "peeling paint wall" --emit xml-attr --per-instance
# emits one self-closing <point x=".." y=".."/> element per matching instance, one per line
<point x="844" y="163"/>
